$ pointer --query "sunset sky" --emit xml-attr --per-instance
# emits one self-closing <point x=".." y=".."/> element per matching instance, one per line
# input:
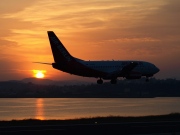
<point x="147" y="30"/>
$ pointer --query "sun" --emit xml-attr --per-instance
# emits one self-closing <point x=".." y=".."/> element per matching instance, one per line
<point x="39" y="73"/>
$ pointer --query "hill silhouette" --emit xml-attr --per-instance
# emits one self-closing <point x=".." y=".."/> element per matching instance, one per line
<point x="43" y="81"/>
<point x="30" y="87"/>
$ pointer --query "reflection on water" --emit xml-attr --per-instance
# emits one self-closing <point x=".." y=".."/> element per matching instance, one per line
<point x="39" y="109"/>
<point x="70" y="108"/>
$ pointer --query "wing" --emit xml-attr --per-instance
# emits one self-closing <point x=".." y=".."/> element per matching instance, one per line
<point x="123" y="71"/>
<point x="128" y="68"/>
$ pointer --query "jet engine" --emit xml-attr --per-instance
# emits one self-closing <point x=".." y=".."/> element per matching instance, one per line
<point x="133" y="76"/>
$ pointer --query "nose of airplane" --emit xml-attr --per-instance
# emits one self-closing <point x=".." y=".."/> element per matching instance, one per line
<point x="157" y="70"/>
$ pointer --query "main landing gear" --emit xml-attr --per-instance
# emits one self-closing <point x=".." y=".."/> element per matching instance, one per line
<point x="100" y="81"/>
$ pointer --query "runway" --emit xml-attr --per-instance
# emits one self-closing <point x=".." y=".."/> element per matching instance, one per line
<point x="125" y="128"/>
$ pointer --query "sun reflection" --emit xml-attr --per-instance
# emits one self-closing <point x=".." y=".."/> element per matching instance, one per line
<point x="39" y="109"/>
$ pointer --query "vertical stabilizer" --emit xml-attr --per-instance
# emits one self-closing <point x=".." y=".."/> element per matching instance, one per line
<point x="60" y="53"/>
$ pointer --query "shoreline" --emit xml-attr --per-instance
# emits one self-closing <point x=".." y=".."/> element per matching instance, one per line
<point x="165" y="117"/>
<point x="154" y="125"/>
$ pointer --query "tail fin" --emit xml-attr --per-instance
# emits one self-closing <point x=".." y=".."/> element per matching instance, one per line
<point x="59" y="51"/>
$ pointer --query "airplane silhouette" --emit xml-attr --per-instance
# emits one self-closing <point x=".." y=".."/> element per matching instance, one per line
<point x="104" y="70"/>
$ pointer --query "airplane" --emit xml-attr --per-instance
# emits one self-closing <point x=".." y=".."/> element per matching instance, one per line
<point x="103" y="70"/>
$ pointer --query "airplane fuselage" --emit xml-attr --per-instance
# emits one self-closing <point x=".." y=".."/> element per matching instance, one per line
<point x="101" y="69"/>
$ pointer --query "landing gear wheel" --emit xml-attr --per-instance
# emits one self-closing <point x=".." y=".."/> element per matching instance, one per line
<point x="113" y="81"/>
<point x="100" y="81"/>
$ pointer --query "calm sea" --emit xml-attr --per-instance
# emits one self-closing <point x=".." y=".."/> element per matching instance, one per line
<point x="70" y="108"/>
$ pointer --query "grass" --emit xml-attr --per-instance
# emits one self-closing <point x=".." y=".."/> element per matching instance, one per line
<point x="93" y="120"/>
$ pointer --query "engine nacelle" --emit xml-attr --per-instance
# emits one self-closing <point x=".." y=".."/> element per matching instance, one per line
<point x="134" y="76"/>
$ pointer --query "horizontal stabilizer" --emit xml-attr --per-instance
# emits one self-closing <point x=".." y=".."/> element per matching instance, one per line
<point x="43" y="63"/>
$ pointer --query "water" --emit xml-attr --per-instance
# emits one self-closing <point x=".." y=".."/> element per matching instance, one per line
<point x="70" y="108"/>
